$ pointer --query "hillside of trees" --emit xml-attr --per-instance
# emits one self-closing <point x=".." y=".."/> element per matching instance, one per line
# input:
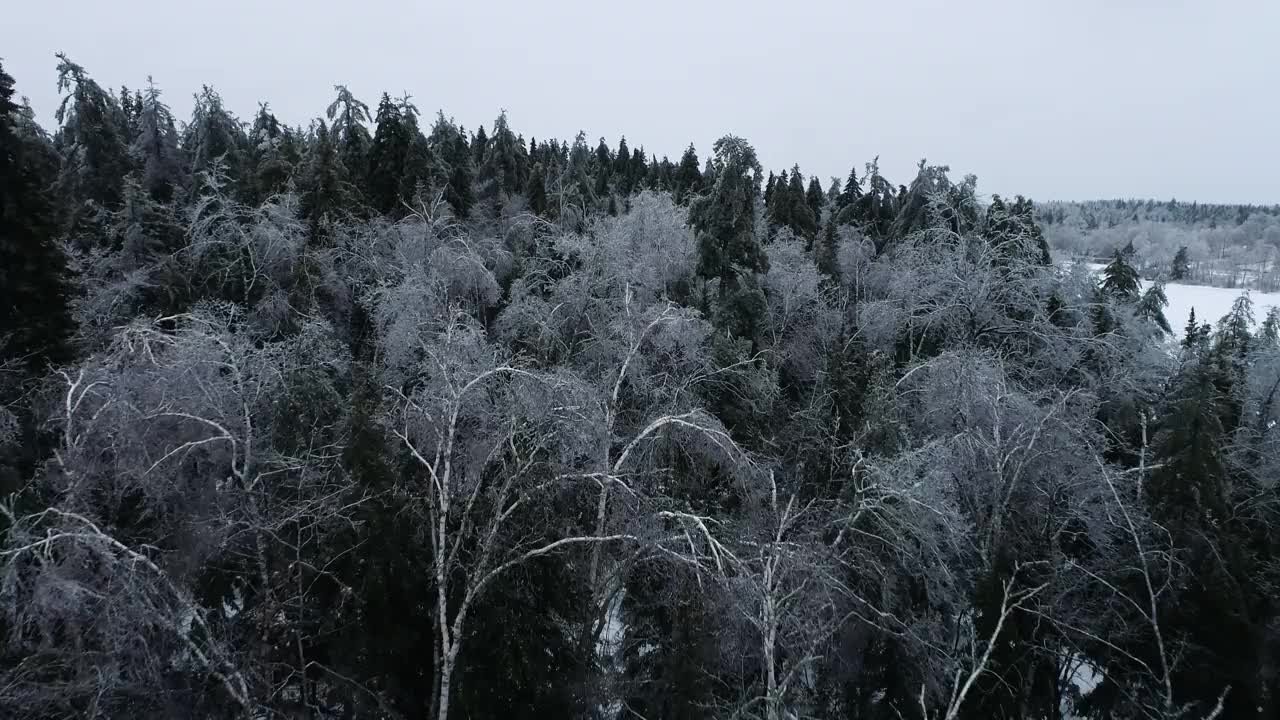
<point x="1233" y="246"/>
<point x="382" y="417"/>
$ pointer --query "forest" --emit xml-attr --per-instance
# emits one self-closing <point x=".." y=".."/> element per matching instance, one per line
<point x="1232" y="246"/>
<point x="383" y="417"/>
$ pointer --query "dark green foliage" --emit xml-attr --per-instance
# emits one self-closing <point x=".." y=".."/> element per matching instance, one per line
<point x="214" y="139"/>
<point x="686" y="180"/>
<point x="1120" y="279"/>
<point x="1151" y="308"/>
<point x="453" y="169"/>
<point x="725" y="217"/>
<point x="92" y="141"/>
<point x="815" y="198"/>
<point x="852" y="191"/>
<point x="1181" y="264"/>
<point x="351" y="138"/>
<point x="35" y="322"/>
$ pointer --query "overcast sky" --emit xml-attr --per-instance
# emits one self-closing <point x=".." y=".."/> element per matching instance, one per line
<point x="1070" y="99"/>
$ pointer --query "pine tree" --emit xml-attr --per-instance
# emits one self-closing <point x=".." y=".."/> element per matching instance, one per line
<point x="687" y="180"/>
<point x="851" y="192"/>
<point x="768" y="189"/>
<point x="34" y="311"/>
<point x="1181" y="265"/>
<point x="622" y="168"/>
<point x="537" y="190"/>
<point x="1269" y="332"/>
<point x="479" y="146"/>
<point x="827" y="257"/>
<point x="387" y="155"/>
<point x="1119" y="279"/>
<point x="728" y="250"/>
<point x="323" y="189"/>
<point x="803" y="221"/>
<point x="504" y="171"/>
<point x="155" y="148"/>
<point x="92" y="143"/>
<point x="351" y="137"/>
<point x="415" y="176"/>
<point x="815" y="198"/>
<point x="1151" y="308"/>
<point x="454" y="171"/>
<point x="213" y="137"/>
<point x="639" y="168"/>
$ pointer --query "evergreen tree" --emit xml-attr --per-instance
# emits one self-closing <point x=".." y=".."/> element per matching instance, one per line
<point x="387" y="155"/>
<point x="1181" y="265"/>
<point x="351" y="137"/>
<point x="91" y="141"/>
<point x="214" y="137"/>
<point x="827" y="257"/>
<point x="687" y="179"/>
<point x="724" y="220"/>
<point x="639" y="168"/>
<point x="324" y="191"/>
<point x="479" y="146"/>
<point x="454" y="171"/>
<point x="155" y="148"/>
<point x="416" y="174"/>
<point x="1151" y="308"/>
<point x="815" y="198"/>
<point x="504" y="171"/>
<point x="537" y="190"/>
<point x="768" y="189"/>
<point x="272" y="156"/>
<point x="1120" y="279"/>
<point x="622" y="168"/>
<point x="804" y="222"/>
<point x="34" y="310"/>
<point x="852" y="191"/>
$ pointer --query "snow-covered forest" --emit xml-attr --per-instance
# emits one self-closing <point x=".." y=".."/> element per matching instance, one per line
<point x="384" y="417"/>
<point x="1229" y="246"/>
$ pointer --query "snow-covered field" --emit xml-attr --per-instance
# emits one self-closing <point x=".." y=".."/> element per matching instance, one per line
<point x="1211" y="303"/>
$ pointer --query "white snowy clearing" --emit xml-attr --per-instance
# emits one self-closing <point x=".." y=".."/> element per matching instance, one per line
<point x="1210" y="303"/>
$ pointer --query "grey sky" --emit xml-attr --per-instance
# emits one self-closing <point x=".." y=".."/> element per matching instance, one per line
<point x="1070" y="99"/>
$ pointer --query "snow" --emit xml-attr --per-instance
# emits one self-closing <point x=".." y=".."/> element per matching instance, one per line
<point x="1210" y="303"/>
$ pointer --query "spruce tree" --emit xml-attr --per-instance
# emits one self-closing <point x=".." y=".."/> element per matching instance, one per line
<point x="815" y="198"/>
<point x="351" y="138"/>
<point x="214" y="138"/>
<point x="827" y="255"/>
<point x="387" y="155"/>
<point x="1151" y="308"/>
<point x="687" y="179"/>
<point x="92" y="143"/>
<point x="537" y="190"/>
<point x="155" y="148"/>
<point x="1120" y="279"/>
<point x="728" y="250"/>
<point x="454" y="171"/>
<point x="1181" y="265"/>
<point x="851" y="192"/>
<point x="34" y="311"/>
<point x="324" y="191"/>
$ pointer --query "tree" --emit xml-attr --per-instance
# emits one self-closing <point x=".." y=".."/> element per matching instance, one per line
<point x="852" y="191"/>
<point x="387" y="155"/>
<point x="1120" y="279"/>
<point x="454" y="170"/>
<point x="1181" y="264"/>
<point x="92" y="142"/>
<point x="350" y="136"/>
<point x="815" y="198"/>
<point x="215" y="138"/>
<point x="686" y="181"/>
<point x="34" y="289"/>
<point x="155" y="148"/>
